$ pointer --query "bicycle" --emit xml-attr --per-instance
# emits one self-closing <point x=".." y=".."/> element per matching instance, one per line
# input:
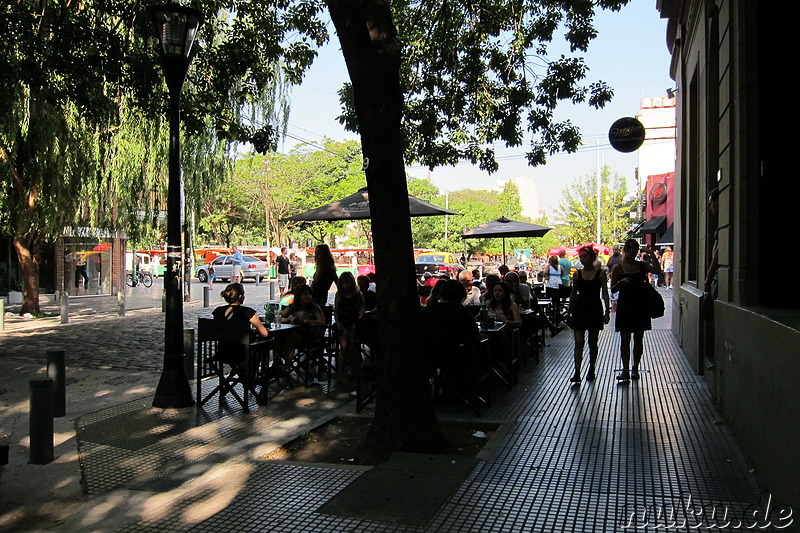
<point x="143" y="278"/>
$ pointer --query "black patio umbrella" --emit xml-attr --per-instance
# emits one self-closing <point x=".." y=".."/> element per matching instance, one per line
<point x="504" y="227"/>
<point x="356" y="207"/>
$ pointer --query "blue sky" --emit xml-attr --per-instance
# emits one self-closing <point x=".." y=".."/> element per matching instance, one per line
<point x="630" y="54"/>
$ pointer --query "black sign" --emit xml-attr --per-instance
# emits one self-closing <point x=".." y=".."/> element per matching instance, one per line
<point x="626" y="134"/>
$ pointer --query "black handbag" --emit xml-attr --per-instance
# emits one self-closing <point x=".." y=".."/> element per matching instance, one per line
<point x="655" y="303"/>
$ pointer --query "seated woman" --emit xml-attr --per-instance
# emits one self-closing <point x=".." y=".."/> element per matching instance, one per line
<point x="501" y="307"/>
<point x="304" y="312"/>
<point x="348" y="309"/>
<point x="235" y="311"/>
<point x="287" y="298"/>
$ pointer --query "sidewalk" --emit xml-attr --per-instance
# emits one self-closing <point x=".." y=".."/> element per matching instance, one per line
<point x="573" y="458"/>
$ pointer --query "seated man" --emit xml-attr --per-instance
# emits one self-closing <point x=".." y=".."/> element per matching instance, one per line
<point x="447" y="323"/>
<point x="473" y="292"/>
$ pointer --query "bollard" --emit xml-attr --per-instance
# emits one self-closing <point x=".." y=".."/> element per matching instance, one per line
<point x="188" y="352"/>
<point x="41" y="421"/>
<point x="121" y="303"/>
<point x="258" y="279"/>
<point x="56" y="370"/>
<point x="163" y="300"/>
<point x="206" y="294"/>
<point x="2" y="314"/>
<point x="272" y="285"/>
<point x="65" y="308"/>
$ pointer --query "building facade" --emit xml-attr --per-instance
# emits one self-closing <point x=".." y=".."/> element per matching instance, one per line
<point x="729" y="61"/>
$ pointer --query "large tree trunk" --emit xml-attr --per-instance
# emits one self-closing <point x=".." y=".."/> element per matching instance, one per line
<point x="404" y="414"/>
<point x="27" y="254"/>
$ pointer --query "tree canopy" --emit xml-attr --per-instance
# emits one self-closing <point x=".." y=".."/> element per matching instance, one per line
<point x="578" y="207"/>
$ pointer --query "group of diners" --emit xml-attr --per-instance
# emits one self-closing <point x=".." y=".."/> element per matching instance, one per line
<point x="505" y="298"/>
<point x="303" y="304"/>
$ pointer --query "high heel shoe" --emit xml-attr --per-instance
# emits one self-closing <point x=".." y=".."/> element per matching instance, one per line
<point x="575" y="379"/>
<point x="590" y="376"/>
<point x="623" y="376"/>
<point x="635" y="374"/>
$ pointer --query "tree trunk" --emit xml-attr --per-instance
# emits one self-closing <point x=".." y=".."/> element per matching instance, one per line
<point x="27" y="254"/>
<point x="404" y="414"/>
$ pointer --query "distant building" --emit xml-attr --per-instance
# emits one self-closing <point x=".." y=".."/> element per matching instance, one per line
<point x="528" y="194"/>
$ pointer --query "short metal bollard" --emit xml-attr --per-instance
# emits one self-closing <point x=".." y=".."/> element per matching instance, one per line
<point x="258" y="279"/>
<point x="41" y="421"/>
<point x="65" y="308"/>
<point x="164" y="301"/>
<point x="56" y="370"/>
<point x="188" y="352"/>
<point x="121" y="303"/>
<point x="272" y="289"/>
<point x="2" y="314"/>
<point x="206" y="296"/>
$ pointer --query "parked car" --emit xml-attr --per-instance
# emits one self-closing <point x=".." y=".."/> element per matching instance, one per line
<point x="223" y="268"/>
<point x="438" y="263"/>
<point x="491" y="267"/>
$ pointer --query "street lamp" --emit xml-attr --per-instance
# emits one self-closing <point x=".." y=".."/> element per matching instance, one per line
<point x="176" y="27"/>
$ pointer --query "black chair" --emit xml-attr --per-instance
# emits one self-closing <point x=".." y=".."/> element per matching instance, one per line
<point x="531" y="336"/>
<point x="367" y="369"/>
<point x="310" y="354"/>
<point x="221" y="344"/>
<point x="464" y="370"/>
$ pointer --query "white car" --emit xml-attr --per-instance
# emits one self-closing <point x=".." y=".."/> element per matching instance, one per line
<point x="223" y="268"/>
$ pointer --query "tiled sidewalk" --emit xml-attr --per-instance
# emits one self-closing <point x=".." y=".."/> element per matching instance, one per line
<point x="600" y="456"/>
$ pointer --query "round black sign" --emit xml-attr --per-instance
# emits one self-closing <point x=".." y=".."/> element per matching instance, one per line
<point x="626" y="134"/>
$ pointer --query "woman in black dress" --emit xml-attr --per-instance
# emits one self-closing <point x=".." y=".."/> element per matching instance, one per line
<point x="629" y="278"/>
<point x="585" y="311"/>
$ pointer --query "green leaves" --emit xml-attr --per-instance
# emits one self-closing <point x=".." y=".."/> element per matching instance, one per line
<point x="474" y="72"/>
<point x="578" y="208"/>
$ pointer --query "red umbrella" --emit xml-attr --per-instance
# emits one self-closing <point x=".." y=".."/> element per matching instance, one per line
<point x="570" y="251"/>
<point x="104" y="247"/>
<point x="601" y="249"/>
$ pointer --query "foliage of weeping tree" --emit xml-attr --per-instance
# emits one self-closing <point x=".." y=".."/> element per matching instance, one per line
<point x="81" y="138"/>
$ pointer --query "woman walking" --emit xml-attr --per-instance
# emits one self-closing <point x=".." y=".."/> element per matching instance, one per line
<point x="629" y="278"/>
<point x="585" y="312"/>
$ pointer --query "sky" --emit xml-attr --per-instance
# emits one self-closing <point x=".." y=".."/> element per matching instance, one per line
<point x="630" y="54"/>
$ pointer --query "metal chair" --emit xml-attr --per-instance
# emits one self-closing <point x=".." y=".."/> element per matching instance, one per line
<point x="222" y="344"/>
<point x="367" y="369"/>
<point x="465" y="370"/>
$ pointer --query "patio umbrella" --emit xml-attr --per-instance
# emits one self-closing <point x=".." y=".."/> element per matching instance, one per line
<point x="504" y="227"/>
<point x="568" y="250"/>
<point x="356" y="207"/>
<point x="601" y="249"/>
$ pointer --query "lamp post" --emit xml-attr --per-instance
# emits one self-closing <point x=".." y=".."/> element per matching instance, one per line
<point x="176" y="27"/>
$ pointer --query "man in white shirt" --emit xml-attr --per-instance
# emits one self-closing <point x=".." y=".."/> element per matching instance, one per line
<point x="473" y="293"/>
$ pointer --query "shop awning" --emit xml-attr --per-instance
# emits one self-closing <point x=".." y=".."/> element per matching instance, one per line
<point x="655" y="225"/>
<point x="667" y="239"/>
